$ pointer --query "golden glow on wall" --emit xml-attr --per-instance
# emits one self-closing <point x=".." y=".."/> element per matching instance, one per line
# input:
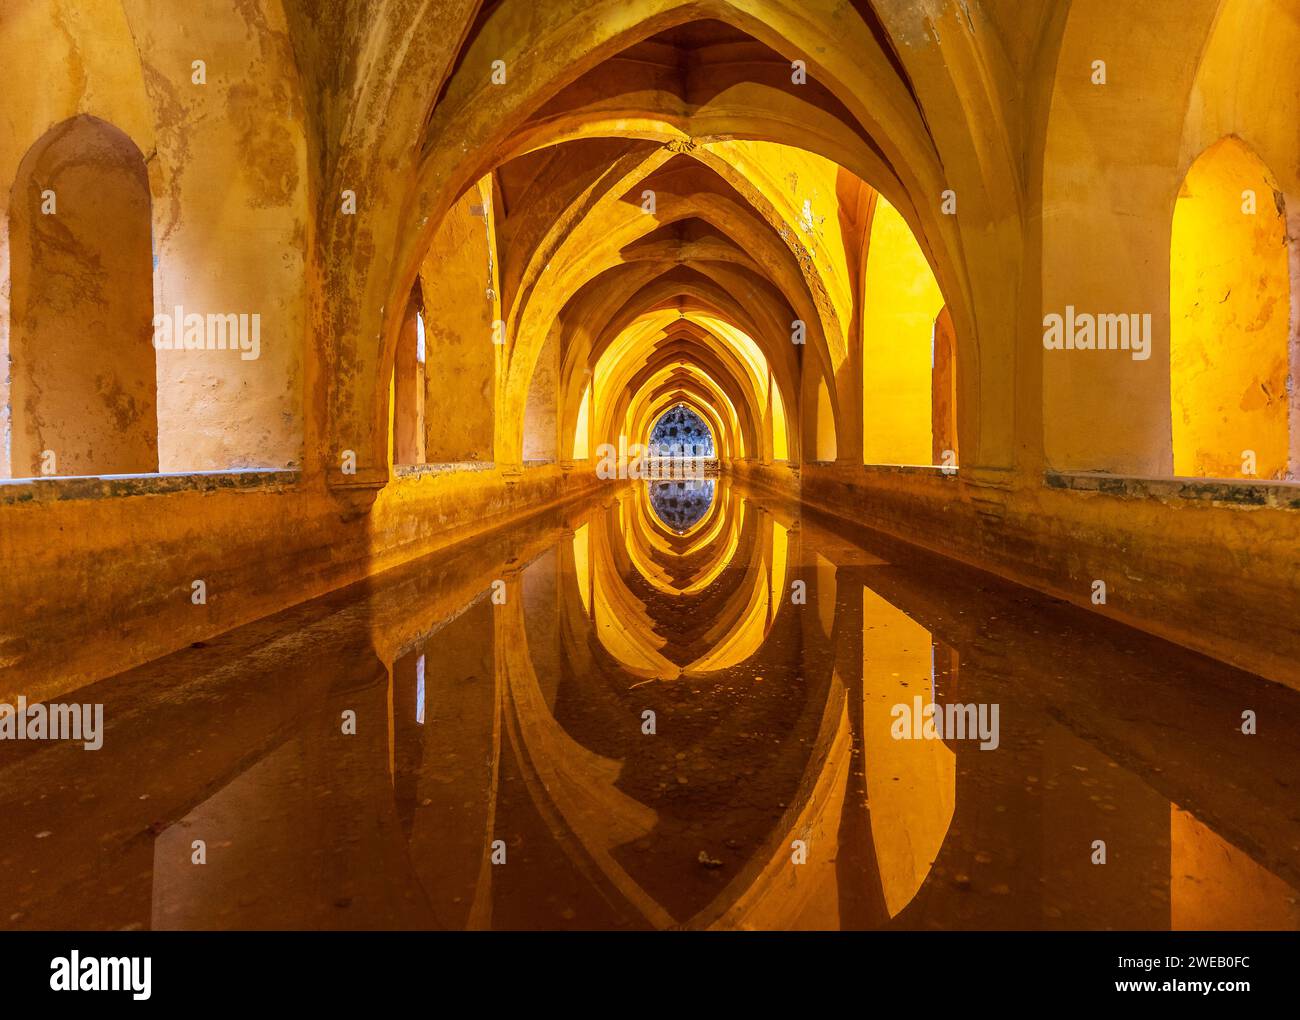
<point x="826" y="444"/>
<point x="1229" y="315"/>
<point x="581" y="564"/>
<point x="900" y="304"/>
<point x="581" y="443"/>
<point x="780" y="427"/>
<point x="711" y="403"/>
<point x="743" y="344"/>
<point x="733" y="387"/>
<point x="911" y="784"/>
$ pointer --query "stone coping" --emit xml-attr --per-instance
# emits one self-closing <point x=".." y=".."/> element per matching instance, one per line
<point x="1240" y="492"/>
<point x="446" y="468"/>
<point x="42" y="490"/>
<point x="932" y="470"/>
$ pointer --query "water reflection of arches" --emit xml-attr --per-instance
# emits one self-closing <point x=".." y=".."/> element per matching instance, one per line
<point x="647" y="830"/>
<point x="723" y="584"/>
<point x="525" y="734"/>
<point x="682" y="504"/>
<point x="596" y="777"/>
<point x="605" y="824"/>
<point x="864" y="863"/>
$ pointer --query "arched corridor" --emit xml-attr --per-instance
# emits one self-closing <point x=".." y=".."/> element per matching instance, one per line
<point x="746" y="463"/>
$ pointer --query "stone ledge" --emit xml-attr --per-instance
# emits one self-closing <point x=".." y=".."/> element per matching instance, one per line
<point x="929" y="470"/>
<point x="936" y="470"/>
<point x="450" y="467"/>
<point x="1227" y="492"/>
<point x="49" y="490"/>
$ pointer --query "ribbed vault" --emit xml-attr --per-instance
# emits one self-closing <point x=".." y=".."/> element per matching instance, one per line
<point x="710" y="164"/>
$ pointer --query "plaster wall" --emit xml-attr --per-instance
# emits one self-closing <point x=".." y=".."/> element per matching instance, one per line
<point x="460" y="306"/>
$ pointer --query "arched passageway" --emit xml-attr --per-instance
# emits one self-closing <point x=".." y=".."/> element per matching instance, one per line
<point x="531" y="365"/>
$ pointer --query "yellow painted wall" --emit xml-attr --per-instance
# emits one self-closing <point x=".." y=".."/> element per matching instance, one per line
<point x="826" y="446"/>
<point x="580" y="442"/>
<point x="1229" y="315"/>
<point x="780" y="426"/>
<point x="457" y="279"/>
<point x="901" y="299"/>
<point x="802" y="187"/>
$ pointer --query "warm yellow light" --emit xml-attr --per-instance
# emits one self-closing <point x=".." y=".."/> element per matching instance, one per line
<point x="780" y="427"/>
<point x="911" y="783"/>
<point x="1229" y="314"/>
<point x="581" y="540"/>
<point x="803" y="188"/>
<point x="580" y="438"/>
<point x="826" y="445"/>
<point x="901" y="300"/>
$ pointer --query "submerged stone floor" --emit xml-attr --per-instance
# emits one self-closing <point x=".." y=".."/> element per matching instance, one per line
<point x="601" y="720"/>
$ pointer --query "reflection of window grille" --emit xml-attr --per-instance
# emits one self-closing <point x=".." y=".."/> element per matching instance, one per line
<point x="419" y="690"/>
<point x="681" y="504"/>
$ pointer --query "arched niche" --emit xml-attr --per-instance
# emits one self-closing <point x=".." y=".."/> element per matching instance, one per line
<point x="1229" y="318"/>
<point x="901" y="300"/>
<point x="409" y="385"/>
<point x="83" y="367"/>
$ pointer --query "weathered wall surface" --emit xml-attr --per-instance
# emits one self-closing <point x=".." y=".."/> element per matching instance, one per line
<point x="1178" y="80"/>
<point x="231" y="227"/>
<point x="225" y="148"/>
<point x="62" y="60"/>
<point x="81" y="359"/>
<point x="541" y="427"/>
<point x="460" y="306"/>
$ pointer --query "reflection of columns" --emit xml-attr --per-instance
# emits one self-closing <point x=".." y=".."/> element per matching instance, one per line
<point x="862" y="896"/>
<point x="1080" y="799"/>
<point x="284" y="777"/>
<point x="571" y="792"/>
<point x="355" y="772"/>
<point x="458" y="771"/>
<point x="406" y="732"/>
